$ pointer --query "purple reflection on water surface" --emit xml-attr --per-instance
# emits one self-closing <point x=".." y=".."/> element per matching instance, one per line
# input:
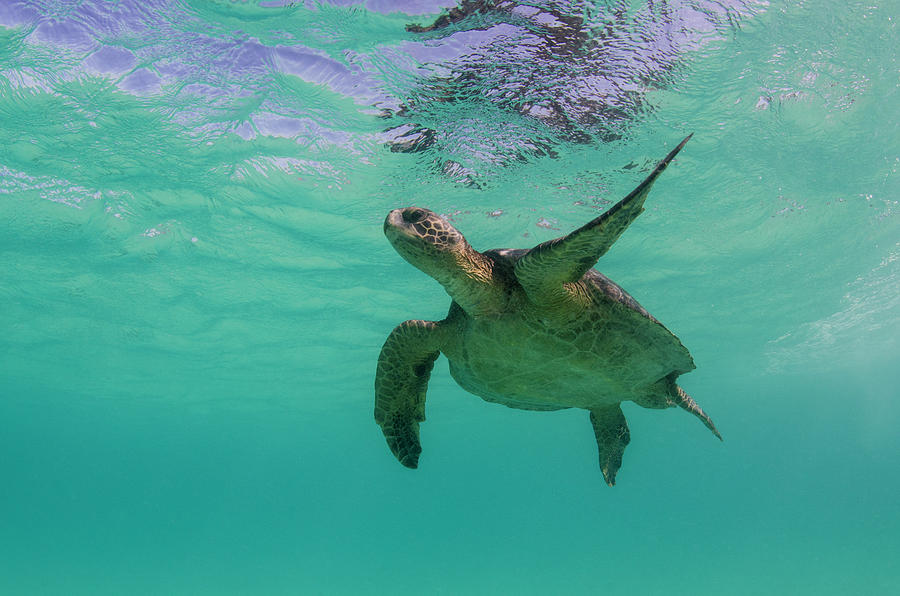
<point x="442" y="78"/>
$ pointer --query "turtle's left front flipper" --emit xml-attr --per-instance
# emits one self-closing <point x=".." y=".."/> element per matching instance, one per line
<point x="404" y="368"/>
<point x="549" y="265"/>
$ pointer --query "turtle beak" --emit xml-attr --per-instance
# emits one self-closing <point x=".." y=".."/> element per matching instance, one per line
<point x="397" y="229"/>
<point x="394" y="219"/>
<point x="393" y="223"/>
<point x="401" y="221"/>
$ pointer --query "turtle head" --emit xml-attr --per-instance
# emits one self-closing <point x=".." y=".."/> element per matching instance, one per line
<point x="429" y="243"/>
<point x="426" y="241"/>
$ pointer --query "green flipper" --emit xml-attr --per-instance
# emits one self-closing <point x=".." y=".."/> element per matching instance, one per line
<point x="684" y="401"/>
<point x="404" y="368"/>
<point x="611" y="432"/>
<point x="543" y="271"/>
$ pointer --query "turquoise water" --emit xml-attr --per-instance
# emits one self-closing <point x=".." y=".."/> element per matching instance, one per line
<point x="194" y="289"/>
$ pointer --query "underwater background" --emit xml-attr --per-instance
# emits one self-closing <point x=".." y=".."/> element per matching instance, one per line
<point x="194" y="289"/>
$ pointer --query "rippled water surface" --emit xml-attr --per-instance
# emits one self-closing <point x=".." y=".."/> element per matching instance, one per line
<point x="195" y="286"/>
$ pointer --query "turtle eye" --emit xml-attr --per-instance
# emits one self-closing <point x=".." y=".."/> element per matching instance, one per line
<point x="414" y="215"/>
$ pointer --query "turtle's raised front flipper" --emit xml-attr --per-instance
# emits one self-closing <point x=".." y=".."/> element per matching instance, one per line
<point x="611" y="432"/>
<point x="547" y="266"/>
<point x="404" y="368"/>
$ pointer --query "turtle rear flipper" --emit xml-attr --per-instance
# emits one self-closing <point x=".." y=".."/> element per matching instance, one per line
<point x="401" y="381"/>
<point x="668" y="394"/>
<point x="684" y="401"/>
<point x="611" y="432"/>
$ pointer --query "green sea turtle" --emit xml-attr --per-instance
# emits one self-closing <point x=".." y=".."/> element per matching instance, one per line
<point x="535" y="329"/>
